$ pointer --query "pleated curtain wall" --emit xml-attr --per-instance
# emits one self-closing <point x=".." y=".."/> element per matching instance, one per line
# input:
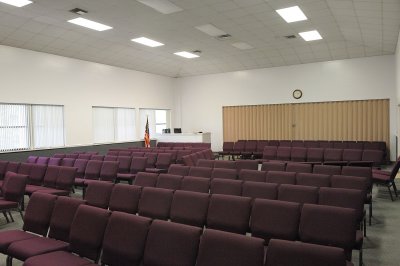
<point x="364" y="120"/>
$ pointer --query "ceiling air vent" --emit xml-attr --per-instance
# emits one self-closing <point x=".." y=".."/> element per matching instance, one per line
<point x="196" y="52"/>
<point x="224" y="37"/>
<point x="78" y="11"/>
<point x="290" y="36"/>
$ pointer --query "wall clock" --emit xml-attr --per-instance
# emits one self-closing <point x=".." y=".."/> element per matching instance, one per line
<point x="297" y="94"/>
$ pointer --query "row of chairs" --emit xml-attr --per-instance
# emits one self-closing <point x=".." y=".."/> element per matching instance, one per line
<point x="249" y="148"/>
<point x="324" y="155"/>
<point x="126" y="239"/>
<point x="263" y="218"/>
<point x="184" y="144"/>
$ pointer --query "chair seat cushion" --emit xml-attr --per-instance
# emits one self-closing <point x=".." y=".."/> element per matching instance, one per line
<point x="380" y="178"/>
<point x="30" y="189"/>
<point x="54" y="191"/>
<point x="156" y="170"/>
<point x="8" y="237"/>
<point x="59" y="258"/>
<point x="79" y="181"/>
<point x="5" y="204"/>
<point x="126" y="176"/>
<point x="380" y="172"/>
<point x="25" y="249"/>
<point x="87" y="181"/>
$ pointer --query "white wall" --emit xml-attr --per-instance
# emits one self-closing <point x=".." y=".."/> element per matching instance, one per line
<point x="39" y="78"/>
<point x="199" y="100"/>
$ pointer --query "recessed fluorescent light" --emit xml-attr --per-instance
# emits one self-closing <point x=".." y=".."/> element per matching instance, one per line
<point x="147" y="41"/>
<point x="186" y="54"/>
<point x="162" y="6"/>
<point x="310" y="35"/>
<point x="292" y="14"/>
<point x="242" y="45"/>
<point x="17" y="3"/>
<point x="211" y="30"/>
<point x="89" y="24"/>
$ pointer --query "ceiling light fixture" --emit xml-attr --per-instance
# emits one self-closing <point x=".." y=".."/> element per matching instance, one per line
<point x="292" y="14"/>
<point x="162" y="6"/>
<point x="211" y="30"/>
<point x="312" y="35"/>
<point x="89" y="24"/>
<point x="242" y="46"/>
<point x="17" y="3"/>
<point x="147" y="42"/>
<point x="186" y="54"/>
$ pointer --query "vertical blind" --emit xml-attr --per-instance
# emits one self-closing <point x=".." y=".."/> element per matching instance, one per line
<point x="158" y="120"/>
<point x="25" y="126"/>
<point x="113" y="124"/>
<point x="364" y="120"/>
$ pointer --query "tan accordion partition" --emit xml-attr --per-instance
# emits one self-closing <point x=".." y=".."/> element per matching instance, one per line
<point x="342" y="120"/>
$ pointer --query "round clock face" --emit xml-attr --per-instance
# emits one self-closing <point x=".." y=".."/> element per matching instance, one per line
<point x="297" y="94"/>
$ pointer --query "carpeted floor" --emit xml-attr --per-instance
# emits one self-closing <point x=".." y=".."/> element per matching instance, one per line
<point x="381" y="246"/>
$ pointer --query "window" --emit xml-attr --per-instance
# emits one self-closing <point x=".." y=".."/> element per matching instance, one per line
<point x="26" y="126"/>
<point x="159" y="119"/>
<point x="113" y="124"/>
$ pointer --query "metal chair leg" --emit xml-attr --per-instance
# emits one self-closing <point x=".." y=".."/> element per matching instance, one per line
<point x="12" y="218"/>
<point x="360" y="258"/>
<point x="390" y="192"/>
<point x="5" y="215"/>
<point x="370" y="213"/>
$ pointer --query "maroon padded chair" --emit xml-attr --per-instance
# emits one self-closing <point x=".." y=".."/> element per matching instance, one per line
<point x="224" y="164"/>
<point x="124" y="239"/>
<point x="205" y="163"/>
<point x="151" y="159"/>
<point x="92" y="172"/>
<point x="137" y="154"/>
<point x="187" y="160"/>
<point x="229" y="213"/>
<point x="180" y="154"/>
<point x="315" y="155"/>
<point x="138" y="164"/>
<point x="275" y="219"/>
<point x="13" y="191"/>
<point x="337" y="144"/>
<point x="327" y="169"/>
<point x="223" y="173"/>
<point x="85" y="156"/>
<point x="299" y="154"/>
<point x="355" y="145"/>
<point x="387" y="178"/>
<point x="36" y="221"/>
<point x="144" y="179"/>
<point x="311" y="144"/>
<point x="59" y="155"/>
<point x="284" y="153"/>
<point x="281" y="177"/>
<point x="67" y="162"/>
<point x="352" y="155"/>
<point x="270" y="152"/>
<point x="98" y="194"/>
<point x="252" y="175"/>
<point x="328" y="225"/>
<point x="85" y="243"/>
<point x="260" y="190"/>
<point x="227" y="148"/>
<point x="298" y="193"/>
<point x="124" y="164"/>
<point x="60" y="223"/>
<point x="80" y="164"/>
<point x="238" y="148"/>
<point x="246" y="165"/>
<point x="32" y="159"/>
<point x="110" y="158"/>
<point x="200" y="171"/>
<point x="374" y="156"/>
<point x="72" y="155"/>
<point x="125" y="198"/>
<point x="171" y="244"/>
<point x="42" y="160"/>
<point x="226" y="187"/>
<point x="299" y="167"/>
<point x="189" y="208"/>
<point x="125" y="153"/>
<point x="289" y="253"/>
<point x="325" y="144"/>
<point x="298" y="143"/>
<point x="219" y="248"/>
<point x="285" y="143"/>
<point x="316" y="180"/>
<point x="273" y="166"/>
<point x="155" y="203"/>
<point x="54" y="161"/>
<point x="3" y="169"/>
<point x="334" y="155"/>
<point x="258" y="154"/>
<point x="35" y="172"/>
<point x="97" y="157"/>
<point x="109" y="171"/>
<point x="249" y="148"/>
<point x="169" y="181"/>
<point x="177" y="169"/>
<point x="195" y="184"/>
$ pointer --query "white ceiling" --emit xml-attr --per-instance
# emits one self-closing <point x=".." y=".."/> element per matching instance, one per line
<point x="350" y="28"/>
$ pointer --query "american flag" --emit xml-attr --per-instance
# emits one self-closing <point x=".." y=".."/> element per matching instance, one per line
<point x="147" y="134"/>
